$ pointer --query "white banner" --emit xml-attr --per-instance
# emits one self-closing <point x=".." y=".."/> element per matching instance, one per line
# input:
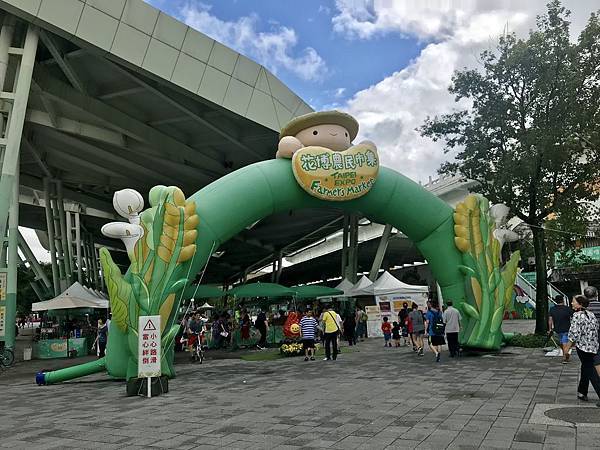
<point x="3" y="277"/>
<point x="389" y="306"/>
<point x="2" y="320"/>
<point x="149" y="346"/>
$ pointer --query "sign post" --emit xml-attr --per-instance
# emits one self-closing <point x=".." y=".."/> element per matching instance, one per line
<point x="149" y="349"/>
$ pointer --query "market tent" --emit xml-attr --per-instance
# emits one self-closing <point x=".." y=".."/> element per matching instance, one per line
<point x="206" y="306"/>
<point x="346" y="286"/>
<point x="262" y="290"/>
<point x="203" y="291"/>
<point x="361" y="284"/>
<point x="76" y="296"/>
<point x="316" y="290"/>
<point x="387" y="284"/>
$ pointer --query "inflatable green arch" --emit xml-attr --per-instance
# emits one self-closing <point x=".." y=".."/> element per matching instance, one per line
<point x="228" y="205"/>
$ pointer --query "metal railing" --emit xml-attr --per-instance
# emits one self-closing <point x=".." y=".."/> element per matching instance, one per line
<point x="530" y="290"/>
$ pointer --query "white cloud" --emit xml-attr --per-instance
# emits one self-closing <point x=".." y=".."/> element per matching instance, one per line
<point x="390" y="110"/>
<point x="275" y="49"/>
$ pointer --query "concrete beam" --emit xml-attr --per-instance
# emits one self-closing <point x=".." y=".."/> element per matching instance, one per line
<point x="193" y="115"/>
<point x="75" y="127"/>
<point x="64" y="65"/>
<point x="131" y="127"/>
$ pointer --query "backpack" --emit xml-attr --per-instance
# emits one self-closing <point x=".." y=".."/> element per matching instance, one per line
<point x="438" y="327"/>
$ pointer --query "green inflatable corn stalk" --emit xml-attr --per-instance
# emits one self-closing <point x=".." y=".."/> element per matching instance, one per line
<point x="488" y="286"/>
<point x="157" y="275"/>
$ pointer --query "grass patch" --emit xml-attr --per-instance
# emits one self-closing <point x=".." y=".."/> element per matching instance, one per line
<point x="528" y="340"/>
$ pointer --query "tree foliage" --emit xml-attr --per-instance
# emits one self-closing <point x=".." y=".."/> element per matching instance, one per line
<point x="531" y="137"/>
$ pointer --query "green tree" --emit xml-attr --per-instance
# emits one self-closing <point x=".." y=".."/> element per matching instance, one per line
<point x="25" y="293"/>
<point x="531" y="135"/>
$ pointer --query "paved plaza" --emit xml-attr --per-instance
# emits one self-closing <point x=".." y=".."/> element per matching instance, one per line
<point x="373" y="398"/>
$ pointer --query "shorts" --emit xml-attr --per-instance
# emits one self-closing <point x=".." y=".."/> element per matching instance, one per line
<point x="563" y="337"/>
<point x="437" y="340"/>
<point x="405" y="332"/>
<point x="308" y="343"/>
<point x="387" y="336"/>
<point x="419" y="333"/>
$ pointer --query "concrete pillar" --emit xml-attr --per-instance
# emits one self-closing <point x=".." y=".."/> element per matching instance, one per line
<point x="9" y="178"/>
<point x="381" y="249"/>
<point x="64" y="241"/>
<point x="51" y="242"/>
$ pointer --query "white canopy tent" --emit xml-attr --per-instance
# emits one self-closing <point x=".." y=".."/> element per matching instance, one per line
<point x="77" y="296"/>
<point x="387" y="284"/>
<point x="360" y="286"/>
<point x="344" y="285"/>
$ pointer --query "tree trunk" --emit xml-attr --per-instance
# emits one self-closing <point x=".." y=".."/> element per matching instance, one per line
<point x="541" y="283"/>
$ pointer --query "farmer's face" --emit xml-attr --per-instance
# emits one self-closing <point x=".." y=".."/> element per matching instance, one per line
<point x="333" y="137"/>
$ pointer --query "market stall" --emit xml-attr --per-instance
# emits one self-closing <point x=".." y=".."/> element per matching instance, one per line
<point x="390" y="293"/>
<point x="69" y="324"/>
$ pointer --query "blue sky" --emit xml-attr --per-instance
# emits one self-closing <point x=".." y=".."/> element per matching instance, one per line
<point x="387" y="62"/>
<point x="349" y="64"/>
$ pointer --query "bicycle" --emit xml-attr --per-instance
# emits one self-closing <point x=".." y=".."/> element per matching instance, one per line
<point x="7" y="357"/>
<point x="198" y="352"/>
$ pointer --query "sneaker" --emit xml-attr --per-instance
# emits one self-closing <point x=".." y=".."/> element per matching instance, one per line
<point x="325" y="359"/>
<point x="312" y="358"/>
<point x="437" y="358"/>
<point x="565" y="361"/>
<point x="306" y="358"/>
<point x="414" y="348"/>
<point x="583" y="398"/>
<point x="420" y="351"/>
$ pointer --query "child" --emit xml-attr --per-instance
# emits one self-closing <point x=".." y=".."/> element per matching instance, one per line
<point x="405" y="332"/>
<point x="396" y="334"/>
<point x="386" y="327"/>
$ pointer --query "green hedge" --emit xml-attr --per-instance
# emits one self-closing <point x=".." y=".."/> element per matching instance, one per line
<point x="528" y="340"/>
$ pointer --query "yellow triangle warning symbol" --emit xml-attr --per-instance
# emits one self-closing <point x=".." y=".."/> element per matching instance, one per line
<point x="149" y="326"/>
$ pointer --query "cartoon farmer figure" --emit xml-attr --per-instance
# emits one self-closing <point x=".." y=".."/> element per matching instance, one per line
<point x="334" y="130"/>
<point x="324" y="161"/>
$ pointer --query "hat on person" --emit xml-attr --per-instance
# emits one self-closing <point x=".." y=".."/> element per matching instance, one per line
<point x="334" y="117"/>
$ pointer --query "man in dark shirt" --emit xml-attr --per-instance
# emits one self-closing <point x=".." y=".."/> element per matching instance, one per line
<point x="591" y="293"/>
<point x="559" y="322"/>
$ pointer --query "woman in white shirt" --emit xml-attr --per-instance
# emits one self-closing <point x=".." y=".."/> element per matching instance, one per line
<point x="583" y="333"/>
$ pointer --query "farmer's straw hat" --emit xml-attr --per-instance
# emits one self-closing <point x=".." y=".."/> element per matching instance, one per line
<point x="299" y="123"/>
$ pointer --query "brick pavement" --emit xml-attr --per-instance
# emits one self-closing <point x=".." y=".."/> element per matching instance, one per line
<point x="375" y="398"/>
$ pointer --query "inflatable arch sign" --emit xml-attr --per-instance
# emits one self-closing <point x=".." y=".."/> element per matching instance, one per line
<point x="172" y="240"/>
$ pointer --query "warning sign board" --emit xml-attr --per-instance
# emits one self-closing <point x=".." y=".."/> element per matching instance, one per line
<point x="149" y="346"/>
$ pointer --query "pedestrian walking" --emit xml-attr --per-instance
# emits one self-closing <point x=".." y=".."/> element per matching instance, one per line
<point x="559" y="322"/>
<point x="418" y="326"/>
<point x="591" y="293"/>
<point x="308" y="328"/>
<point x="262" y="325"/>
<point x="452" y="319"/>
<point x="386" y="327"/>
<point x="396" y="331"/>
<point x="435" y="329"/>
<point x="102" y="337"/>
<point x="361" y="323"/>
<point x="583" y="334"/>
<point x="402" y="321"/>
<point x="331" y="330"/>
<point x="350" y="329"/>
